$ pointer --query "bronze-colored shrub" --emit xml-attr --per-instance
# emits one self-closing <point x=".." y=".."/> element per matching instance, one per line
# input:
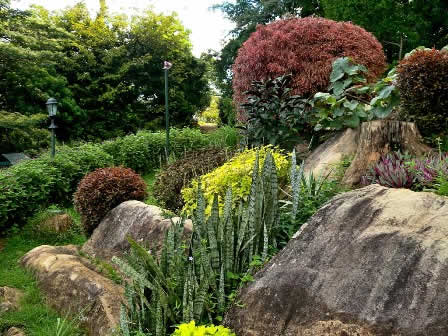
<point x="104" y="189"/>
<point x="423" y="85"/>
<point x="305" y="48"/>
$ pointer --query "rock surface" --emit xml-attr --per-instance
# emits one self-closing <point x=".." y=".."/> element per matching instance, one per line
<point x="323" y="159"/>
<point x="144" y="223"/>
<point x="14" y="332"/>
<point x="58" y="223"/>
<point x="72" y="286"/>
<point x="373" y="261"/>
<point x="9" y="299"/>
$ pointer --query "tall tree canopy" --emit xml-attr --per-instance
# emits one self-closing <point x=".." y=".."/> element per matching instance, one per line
<point x="106" y="71"/>
<point x="413" y="22"/>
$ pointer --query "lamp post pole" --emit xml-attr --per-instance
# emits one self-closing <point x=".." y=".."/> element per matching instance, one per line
<point x="52" y="108"/>
<point x="166" y="67"/>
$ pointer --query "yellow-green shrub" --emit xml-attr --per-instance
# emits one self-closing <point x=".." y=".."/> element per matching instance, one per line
<point x="237" y="174"/>
<point x="190" y="329"/>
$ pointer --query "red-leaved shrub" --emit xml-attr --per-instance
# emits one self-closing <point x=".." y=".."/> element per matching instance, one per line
<point x="423" y="84"/>
<point x="104" y="189"/>
<point x="306" y="48"/>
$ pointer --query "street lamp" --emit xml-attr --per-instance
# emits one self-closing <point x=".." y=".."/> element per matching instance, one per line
<point x="166" y="66"/>
<point x="52" y="108"/>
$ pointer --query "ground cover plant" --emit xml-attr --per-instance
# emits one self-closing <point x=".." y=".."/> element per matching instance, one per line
<point x="397" y="170"/>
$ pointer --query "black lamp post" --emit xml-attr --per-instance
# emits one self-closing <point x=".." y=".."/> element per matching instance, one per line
<point x="52" y="108"/>
<point x="166" y="67"/>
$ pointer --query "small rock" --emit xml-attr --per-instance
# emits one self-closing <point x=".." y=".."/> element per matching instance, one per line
<point x="9" y="299"/>
<point x="14" y="332"/>
<point x="58" y="223"/>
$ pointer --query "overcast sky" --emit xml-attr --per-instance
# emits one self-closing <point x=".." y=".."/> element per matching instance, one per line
<point x="208" y="28"/>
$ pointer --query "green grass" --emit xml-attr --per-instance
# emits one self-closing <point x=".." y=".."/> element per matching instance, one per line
<point x="150" y="179"/>
<point x="34" y="316"/>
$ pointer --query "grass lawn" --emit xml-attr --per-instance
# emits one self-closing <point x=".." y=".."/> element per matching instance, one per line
<point x="35" y="317"/>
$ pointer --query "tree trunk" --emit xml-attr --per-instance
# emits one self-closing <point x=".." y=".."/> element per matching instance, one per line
<point x="379" y="137"/>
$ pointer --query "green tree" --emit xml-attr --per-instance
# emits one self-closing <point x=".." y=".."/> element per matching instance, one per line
<point x="398" y="24"/>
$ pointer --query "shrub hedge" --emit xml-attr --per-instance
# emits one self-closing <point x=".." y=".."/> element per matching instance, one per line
<point x="31" y="185"/>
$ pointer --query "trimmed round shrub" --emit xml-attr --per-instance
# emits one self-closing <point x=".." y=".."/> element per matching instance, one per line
<point x="305" y="48"/>
<point x="174" y="177"/>
<point x="104" y="189"/>
<point x="423" y="85"/>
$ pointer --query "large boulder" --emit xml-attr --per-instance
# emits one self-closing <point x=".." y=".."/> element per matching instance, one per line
<point x="144" y="223"/>
<point x="373" y="261"/>
<point x="325" y="157"/>
<point x="72" y="286"/>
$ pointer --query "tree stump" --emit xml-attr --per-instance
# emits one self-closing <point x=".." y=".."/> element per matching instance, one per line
<point x="379" y="137"/>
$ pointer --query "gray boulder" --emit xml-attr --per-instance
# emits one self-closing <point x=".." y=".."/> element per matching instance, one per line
<point x="373" y="261"/>
<point x="143" y="223"/>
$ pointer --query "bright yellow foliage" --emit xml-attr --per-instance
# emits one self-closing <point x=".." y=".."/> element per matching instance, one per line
<point x="190" y="329"/>
<point x="236" y="173"/>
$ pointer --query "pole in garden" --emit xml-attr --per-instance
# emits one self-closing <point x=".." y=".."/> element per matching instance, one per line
<point x="166" y="66"/>
<point x="52" y="108"/>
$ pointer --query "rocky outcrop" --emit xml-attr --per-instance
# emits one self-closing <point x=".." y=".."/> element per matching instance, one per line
<point x="72" y="286"/>
<point x="9" y="299"/>
<point x="325" y="157"/>
<point x="143" y="223"/>
<point x="370" y="262"/>
<point x="14" y="332"/>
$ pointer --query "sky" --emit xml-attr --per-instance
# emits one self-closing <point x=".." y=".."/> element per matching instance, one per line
<point x="208" y="28"/>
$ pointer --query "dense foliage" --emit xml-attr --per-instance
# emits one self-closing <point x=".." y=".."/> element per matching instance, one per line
<point x="197" y="279"/>
<point x="211" y="113"/>
<point x="236" y="174"/>
<point x="350" y="100"/>
<point x="105" y="71"/>
<point x="400" y="25"/>
<point x="31" y="185"/>
<point x="145" y="151"/>
<point x="422" y="81"/>
<point x="20" y="133"/>
<point x="104" y="189"/>
<point x="274" y="116"/>
<point x="305" y="48"/>
<point x="177" y="175"/>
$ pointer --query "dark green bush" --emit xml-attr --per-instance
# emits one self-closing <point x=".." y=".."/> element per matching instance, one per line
<point x="422" y="81"/>
<point x="104" y="189"/>
<point x="29" y="186"/>
<point x="145" y="151"/>
<point x="171" y="180"/>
